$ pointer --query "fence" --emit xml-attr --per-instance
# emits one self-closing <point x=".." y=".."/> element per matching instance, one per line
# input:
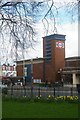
<point x="19" y="91"/>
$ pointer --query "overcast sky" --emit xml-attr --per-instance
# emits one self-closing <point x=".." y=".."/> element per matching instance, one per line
<point x="66" y="24"/>
<point x="71" y="43"/>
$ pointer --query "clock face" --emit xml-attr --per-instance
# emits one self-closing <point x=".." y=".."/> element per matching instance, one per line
<point x="60" y="44"/>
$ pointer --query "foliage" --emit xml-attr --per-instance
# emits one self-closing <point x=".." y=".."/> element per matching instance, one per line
<point x="49" y="99"/>
<point x="4" y="91"/>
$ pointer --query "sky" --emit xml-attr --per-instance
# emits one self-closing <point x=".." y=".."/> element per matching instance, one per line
<point x="71" y="43"/>
<point x="66" y="24"/>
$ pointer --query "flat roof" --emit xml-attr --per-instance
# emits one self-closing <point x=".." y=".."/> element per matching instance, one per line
<point x="27" y="60"/>
<point x="74" y="58"/>
<point x="55" y="37"/>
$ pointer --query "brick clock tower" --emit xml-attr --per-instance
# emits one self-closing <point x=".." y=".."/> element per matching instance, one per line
<point x="54" y="56"/>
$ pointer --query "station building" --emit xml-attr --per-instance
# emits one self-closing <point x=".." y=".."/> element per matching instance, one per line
<point x="45" y="69"/>
<point x="53" y="66"/>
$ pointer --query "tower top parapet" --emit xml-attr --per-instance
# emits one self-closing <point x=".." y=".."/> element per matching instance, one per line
<point x="55" y="37"/>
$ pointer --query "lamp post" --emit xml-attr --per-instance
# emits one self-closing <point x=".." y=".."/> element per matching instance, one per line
<point x="61" y="76"/>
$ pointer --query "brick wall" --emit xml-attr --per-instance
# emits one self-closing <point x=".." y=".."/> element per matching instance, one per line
<point x="57" y="60"/>
<point x="38" y="71"/>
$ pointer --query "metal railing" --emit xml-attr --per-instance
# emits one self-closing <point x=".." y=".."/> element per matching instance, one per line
<point x="31" y="91"/>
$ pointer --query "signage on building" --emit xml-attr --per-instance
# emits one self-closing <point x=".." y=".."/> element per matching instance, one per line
<point x="25" y="71"/>
<point x="37" y="81"/>
<point x="60" y="44"/>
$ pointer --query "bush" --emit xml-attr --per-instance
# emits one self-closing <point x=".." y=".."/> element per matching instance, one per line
<point x="5" y="90"/>
<point x="49" y="99"/>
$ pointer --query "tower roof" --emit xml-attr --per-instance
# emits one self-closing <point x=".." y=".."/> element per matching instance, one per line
<point x="55" y="37"/>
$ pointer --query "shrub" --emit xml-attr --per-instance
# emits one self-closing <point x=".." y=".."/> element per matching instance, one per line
<point x="49" y="99"/>
<point x="5" y="90"/>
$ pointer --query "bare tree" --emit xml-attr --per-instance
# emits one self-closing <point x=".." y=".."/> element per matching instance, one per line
<point x="17" y="23"/>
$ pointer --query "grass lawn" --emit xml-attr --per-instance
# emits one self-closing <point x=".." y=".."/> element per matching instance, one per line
<point x="16" y="109"/>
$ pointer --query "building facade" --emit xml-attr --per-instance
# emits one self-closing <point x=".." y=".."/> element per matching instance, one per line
<point x="31" y="70"/>
<point x="71" y="71"/>
<point x="54" y="54"/>
<point x="45" y="69"/>
<point x="7" y="73"/>
<point x="52" y="67"/>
